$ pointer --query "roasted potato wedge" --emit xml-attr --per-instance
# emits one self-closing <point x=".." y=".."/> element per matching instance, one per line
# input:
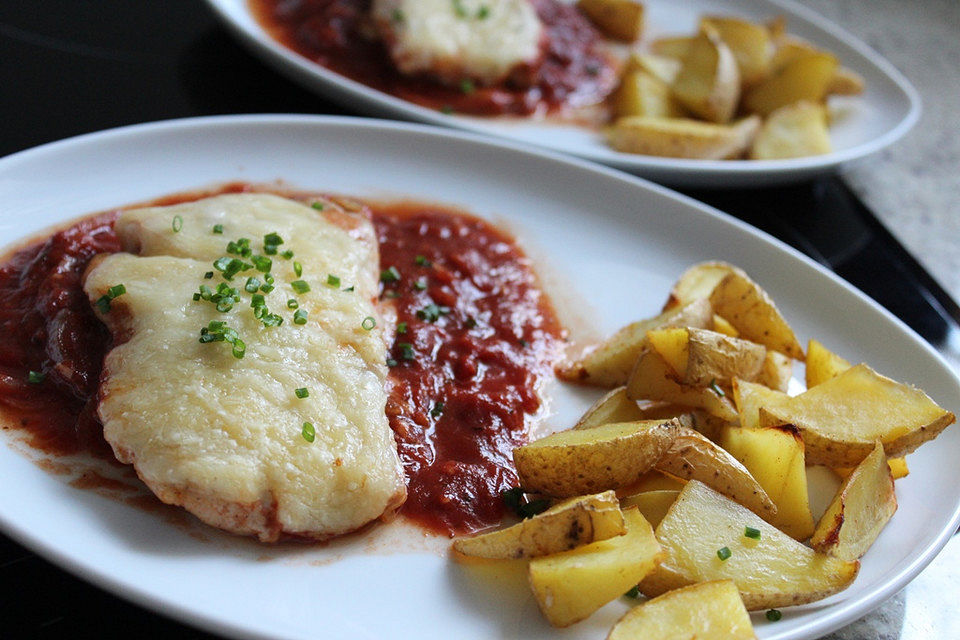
<point x="748" y="308"/>
<point x="715" y="358"/>
<point x="804" y="78"/>
<point x="776" y="371"/>
<point x="610" y="363"/>
<point x="720" y="325"/>
<point x="661" y="67"/>
<point x="671" y="46"/>
<point x="708" y="84"/>
<point x="682" y="137"/>
<point x="788" y="48"/>
<point x="692" y="457"/>
<point x="673" y="345"/>
<point x="642" y="94"/>
<point x="842" y="418"/>
<point x="860" y="510"/>
<point x="564" y="526"/>
<point x="583" y="461"/>
<point x="653" y="505"/>
<point x="795" y="130"/>
<point x="616" y="406"/>
<point x="750" y="396"/>
<point x="898" y="469"/>
<point x="698" y="282"/>
<point x="750" y="44"/>
<point x="774" y="571"/>
<point x="619" y="19"/>
<point x="822" y="364"/>
<point x="653" y="379"/>
<point x="706" y="611"/>
<point x="775" y="458"/>
<point x="845" y="82"/>
<point x="570" y="586"/>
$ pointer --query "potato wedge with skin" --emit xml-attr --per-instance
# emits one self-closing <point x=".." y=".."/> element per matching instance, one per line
<point x="619" y="19"/>
<point x="706" y="611"/>
<point x="661" y="67"/>
<point x="570" y="586"/>
<point x="898" y="469"/>
<point x="714" y="358"/>
<point x="652" y="379"/>
<point x="822" y="364"/>
<point x="859" y="511"/>
<point x="805" y="78"/>
<point x="793" y="131"/>
<point x="564" y="526"/>
<point x="776" y="372"/>
<point x="748" y="308"/>
<point x="616" y="406"/>
<point x="682" y="137"/>
<point x="720" y="325"/>
<point x="610" y="363"/>
<point x="788" y="48"/>
<point x="671" y="46"/>
<point x="750" y="396"/>
<point x="842" y="418"/>
<point x="583" y="461"/>
<point x="653" y="480"/>
<point x="750" y="44"/>
<point x="693" y="457"/>
<point x="708" y="84"/>
<point x="774" y="571"/>
<point x="653" y="505"/>
<point x="775" y="458"/>
<point x="673" y="345"/>
<point x="641" y="94"/>
<point x="698" y="282"/>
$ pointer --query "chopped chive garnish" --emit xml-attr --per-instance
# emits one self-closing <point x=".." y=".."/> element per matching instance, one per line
<point x="308" y="432"/>
<point x="218" y="228"/>
<point x="397" y="16"/>
<point x="116" y="290"/>
<point x="533" y="507"/>
<point x="36" y="377"/>
<point x="437" y="409"/>
<point x="420" y="284"/>
<point x="271" y="320"/>
<point x="471" y="322"/>
<point x="302" y="392"/>
<point x="483" y="12"/>
<point x="368" y="323"/>
<point x="240" y="247"/>
<point x="401" y="327"/>
<point x="524" y="343"/>
<point x="286" y="255"/>
<point x="297" y="268"/>
<point x="390" y="295"/>
<point x="317" y="205"/>
<point x="272" y="239"/>
<point x="350" y="288"/>
<point x="208" y="275"/>
<point x="634" y="592"/>
<point x="300" y="317"/>
<point x="177" y="223"/>
<point x="267" y="288"/>
<point x="268" y="278"/>
<point x="390" y="274"/>
<point x="406" y="351"/>
<point x="218" y="331"/>
<point x="257" y="300"/>
<point x="717" y="390"/>
<point x="391" y="362"/>
<point x="332" y="280"/>
<point x="239" y="348"/>
<point x="262" y="263"/>
<point x="231" y="266"/>
<point x="467" y="86"/>
<point x="773" y="615"/>
<point x="422" y="261"/>
<point x="300" y="286"/>
<point x="103" y="302"/>
<point x="724" y="553"/>
<point x="292" y="303"/>
<point x="752" y="533"/>
<point x="196" y="297"/>
<point x="432" y="312"/>
<point x="253" y="284"/>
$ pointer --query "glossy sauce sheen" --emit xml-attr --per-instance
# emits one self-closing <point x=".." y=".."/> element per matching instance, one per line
<point x="483" y="358"/>
<point x="575" y="71"/>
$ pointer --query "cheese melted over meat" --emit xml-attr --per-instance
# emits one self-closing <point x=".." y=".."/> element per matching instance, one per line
<point x="222" y="436"/>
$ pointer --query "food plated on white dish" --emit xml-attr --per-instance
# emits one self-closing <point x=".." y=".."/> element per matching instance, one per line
<point x="563" y="99"/>
<point x="603" y="267"/>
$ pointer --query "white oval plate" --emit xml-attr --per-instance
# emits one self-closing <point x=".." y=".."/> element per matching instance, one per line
<point x="608" y="244"/>
<point x="862" y="125"/>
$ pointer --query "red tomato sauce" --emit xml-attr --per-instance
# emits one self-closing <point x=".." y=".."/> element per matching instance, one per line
<point x="575" y="69"/>
<point x="464" y="375"/>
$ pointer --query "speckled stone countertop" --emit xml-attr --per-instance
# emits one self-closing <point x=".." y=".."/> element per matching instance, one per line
<point x="914" y="188"/>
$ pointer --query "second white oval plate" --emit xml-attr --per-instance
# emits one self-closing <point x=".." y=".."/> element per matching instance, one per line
<point x="605" y="244"/>
<point x="862" y="125"/>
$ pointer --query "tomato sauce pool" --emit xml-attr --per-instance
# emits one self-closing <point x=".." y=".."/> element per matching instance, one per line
<point x="475" y="339"/>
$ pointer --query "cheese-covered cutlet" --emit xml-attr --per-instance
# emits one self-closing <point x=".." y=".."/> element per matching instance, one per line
<point x="481" y="41"/>
<point x="246" y="382"/>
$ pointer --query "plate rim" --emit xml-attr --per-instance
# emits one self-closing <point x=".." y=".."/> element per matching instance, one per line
<point x="672" y="170"/>
<point x="840" y="614"/>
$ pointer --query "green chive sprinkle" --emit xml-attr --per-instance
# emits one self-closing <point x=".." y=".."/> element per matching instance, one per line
<point x="483" y="12"/>
<point x="467" y="86"/>
<point x="262" y="263"/>
<point x="406" y="351"/>
<point x="116" y="290"/>
<point x="773" y="615"/>
<point x="208" y="275"/>
<point x="297" y="268"/>
<point x="724" y="553"/>
<point x="252" y="285"/>
<point x="437" y="409"/>
<point x="239" y="348"/>
<point x="397" y="16"/>
<point x="350" y="288"/>
<point x="177" y="223"/>
<point x="286" y="255"/>
<point x="420" y="284"/>
<point x="401" y="327"/>
<point x="36" y="377"/>
<point x="717" y="390"/>
<point x="332" y="280"/>
<point x="750" y="532"/>
<point x="300" y="317"/>
<point x="308" y="432"/>
<point x="218" y="228"/>
<point x="300" y="286"/>
<point x="422" y="261"/>
<point x="368" y="323"/>
<point x="302" y="392"/>
<point x="432" y="312"/>
<point x="391" y="362"/>
<point x="292" y="303"/>
<point x="634" y="592"/>
<point x="317" y="205"/>
<point x="390" y="274"/>
<point x="103" y="302"/>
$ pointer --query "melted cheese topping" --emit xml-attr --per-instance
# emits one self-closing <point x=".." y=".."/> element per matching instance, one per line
<point x="221" y="435"/>
<point x="453" y="40"/>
